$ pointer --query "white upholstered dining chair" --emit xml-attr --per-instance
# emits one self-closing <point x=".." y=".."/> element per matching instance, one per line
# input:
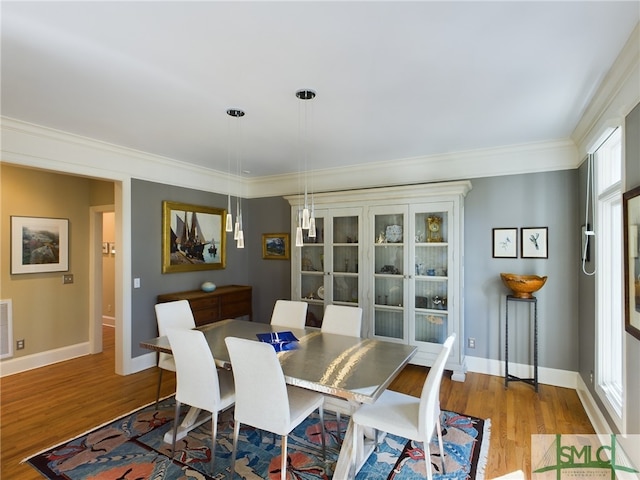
<point x="289" y="313"/>
<point x="341" y="320"/>
<point x="175" y="314"/>
<point x="263" y="399"/>
<point x="199" y="383"/>
<point x="408" y="416"/>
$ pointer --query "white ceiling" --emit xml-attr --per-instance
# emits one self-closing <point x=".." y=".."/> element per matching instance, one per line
<point x="394" y="80"/>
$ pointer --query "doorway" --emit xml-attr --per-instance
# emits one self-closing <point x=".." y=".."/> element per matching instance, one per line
<point x="102" y="274"/>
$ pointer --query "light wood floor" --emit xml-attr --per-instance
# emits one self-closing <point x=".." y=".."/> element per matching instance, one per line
<point x="46" y="406"/>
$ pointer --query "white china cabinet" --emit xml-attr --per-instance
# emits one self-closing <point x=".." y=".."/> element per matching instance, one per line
<point x="397" y="253"/>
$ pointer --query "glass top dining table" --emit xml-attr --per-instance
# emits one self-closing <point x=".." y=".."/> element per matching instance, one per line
<point x="356" y="369"/>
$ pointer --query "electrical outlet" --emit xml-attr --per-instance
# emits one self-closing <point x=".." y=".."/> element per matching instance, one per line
<point x="20" y="344"/>
<point x="591" y="376"/>
<point x="472" y="343"/>
<point x="67" y="278"/>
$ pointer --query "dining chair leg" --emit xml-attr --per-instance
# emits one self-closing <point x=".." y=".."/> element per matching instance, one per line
<point x="283" y="460"/>
<point x="158" y="389"/>
<point x="214" y="434"/>
<point x="338" y="426"/>
<point x="176" y="419"/>
<point x="441" y="445"/>
<point x="427" y="460"/>
<point x="236" y="432"/>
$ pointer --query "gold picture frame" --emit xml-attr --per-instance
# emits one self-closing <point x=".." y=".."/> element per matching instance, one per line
<point x="631" y="215"/>
<point x="193" y="238"/>
<point x="275" y="246"/>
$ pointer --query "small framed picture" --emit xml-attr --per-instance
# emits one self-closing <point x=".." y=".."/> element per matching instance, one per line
<point x="534" y="242"/>
<point x="505" y="243"/>
<point x="275" y="246"/>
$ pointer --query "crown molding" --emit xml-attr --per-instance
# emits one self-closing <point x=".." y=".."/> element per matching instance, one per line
<point x="42" y="147"/>
<point x="508" y="160"/>
<point x="616" y="96"/>
<point x="36" y="146"/>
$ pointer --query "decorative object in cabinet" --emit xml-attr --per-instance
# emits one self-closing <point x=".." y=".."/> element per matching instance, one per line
<point x="434" y="224"/>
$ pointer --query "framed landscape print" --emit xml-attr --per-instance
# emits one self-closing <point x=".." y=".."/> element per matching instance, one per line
<point x="193" y="238"/>
<point x="631" y="215"/>
<point x="534" y="242"/>
<point x="39" y="245"/>
<point x="505" y="243"/>
<point x="275" y="246"/>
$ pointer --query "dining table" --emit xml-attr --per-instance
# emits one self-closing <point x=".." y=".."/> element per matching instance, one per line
<point x="355" y="369"/>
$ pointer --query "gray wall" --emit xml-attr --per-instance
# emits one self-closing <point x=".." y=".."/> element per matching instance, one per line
<point x="534" y="200"/>
<point x="632" y="345"/>
<point x="268" y="215"/>
<point x="545" y="199"/>
<point x="270" y="279"/>
<point x="586" y="296"/>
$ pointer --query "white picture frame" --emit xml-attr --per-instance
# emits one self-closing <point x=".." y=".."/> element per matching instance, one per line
<point x="39" y="245"/>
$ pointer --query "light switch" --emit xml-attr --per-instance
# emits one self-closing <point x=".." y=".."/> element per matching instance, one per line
<point x="136" y="283"/>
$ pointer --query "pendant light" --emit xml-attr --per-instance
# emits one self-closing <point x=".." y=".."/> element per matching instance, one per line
<point x="238" y="234"/>
<point x="306" y="219"/>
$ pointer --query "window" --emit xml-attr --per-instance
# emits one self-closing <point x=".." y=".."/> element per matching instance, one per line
<point x="609" y="291"/>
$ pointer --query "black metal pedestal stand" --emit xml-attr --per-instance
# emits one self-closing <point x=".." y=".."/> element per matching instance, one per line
<point x="512" y="378"/>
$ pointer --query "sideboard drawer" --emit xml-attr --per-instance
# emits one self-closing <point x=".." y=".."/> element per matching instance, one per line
<point x="228" y="301"/>
<point x="236" y="304"/>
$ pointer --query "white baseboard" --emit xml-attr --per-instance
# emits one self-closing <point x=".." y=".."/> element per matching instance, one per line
<point x="143" y="362"/>
<point x="547" y="376"/>
<point x="29" y="362"/>
<point x="597" y="419"/>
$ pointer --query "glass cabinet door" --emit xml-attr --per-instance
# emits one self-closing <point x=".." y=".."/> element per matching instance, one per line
<point x="312" y="288"/>
<point x="389" y="271"/>
<point x="345" y="260"/>
<point x="330" y="262"/>
<point x="431" y="281"/>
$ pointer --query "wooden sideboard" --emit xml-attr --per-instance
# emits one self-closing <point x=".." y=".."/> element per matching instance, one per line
<point x="227" y="301"/>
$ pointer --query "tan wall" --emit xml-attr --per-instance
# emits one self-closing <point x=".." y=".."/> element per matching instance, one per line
<point x="108" y="269"/>
<point x="46" y="313"/>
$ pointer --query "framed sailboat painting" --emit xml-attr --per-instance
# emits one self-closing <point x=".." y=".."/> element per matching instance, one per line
<point x="192" y="238"/>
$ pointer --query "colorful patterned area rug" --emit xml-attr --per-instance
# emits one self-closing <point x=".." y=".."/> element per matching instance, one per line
<point x="132" y="447"/>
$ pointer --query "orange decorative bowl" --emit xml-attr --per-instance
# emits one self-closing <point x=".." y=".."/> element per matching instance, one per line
<point x="523" y="286"/>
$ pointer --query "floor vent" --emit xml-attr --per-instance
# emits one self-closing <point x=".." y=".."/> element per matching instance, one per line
<point x="6" y="329"/>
